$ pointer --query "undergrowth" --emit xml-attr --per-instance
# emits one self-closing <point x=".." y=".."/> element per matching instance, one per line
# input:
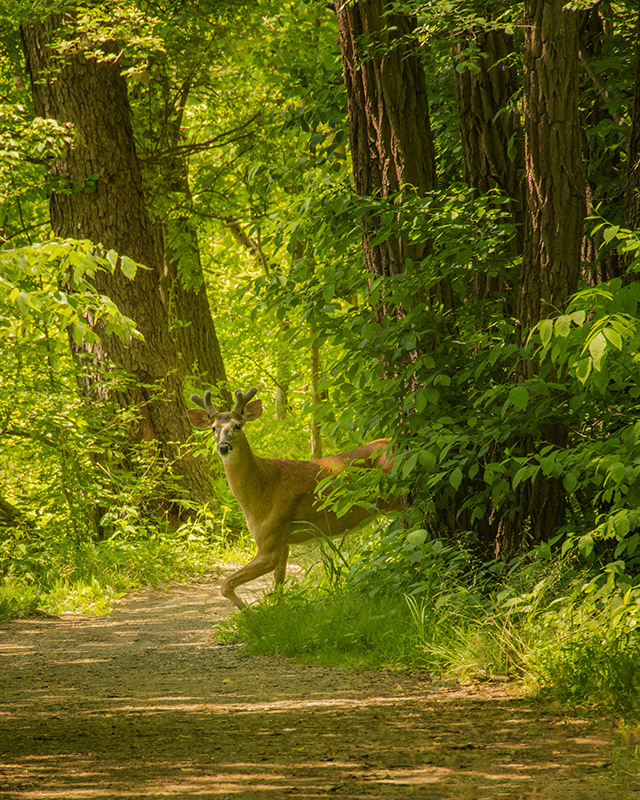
<point x="52" y="573"/>
<point x="405" y="602"/>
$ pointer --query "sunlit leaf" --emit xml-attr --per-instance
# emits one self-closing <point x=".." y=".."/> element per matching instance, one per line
<point x="597" y="349"/>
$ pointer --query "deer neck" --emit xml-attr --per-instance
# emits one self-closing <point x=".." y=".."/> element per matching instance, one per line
<point x="246" y="474"/>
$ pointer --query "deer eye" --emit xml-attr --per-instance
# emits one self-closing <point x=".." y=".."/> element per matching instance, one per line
<point x="237" y="427"/>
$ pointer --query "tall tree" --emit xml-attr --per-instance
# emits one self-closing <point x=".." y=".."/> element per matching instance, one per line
<point x="491" y="131"/>
<point x="177" y="75"/>
<point x="102" y="200"/>
<point x="556" y="204"/>
<point x="389" y="127"/>
<point x="555" y="183"/>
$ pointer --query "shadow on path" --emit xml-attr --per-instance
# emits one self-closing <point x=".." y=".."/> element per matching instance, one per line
<point x="144" y="703"/>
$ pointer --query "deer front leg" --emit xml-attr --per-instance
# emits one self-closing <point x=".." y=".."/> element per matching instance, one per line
<point x="260" y="564"/>
<point x="280" y="572"/>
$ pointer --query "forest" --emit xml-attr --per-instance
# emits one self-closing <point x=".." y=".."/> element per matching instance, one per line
<point x="414" y="220"/>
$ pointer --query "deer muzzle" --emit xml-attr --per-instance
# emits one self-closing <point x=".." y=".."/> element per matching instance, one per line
<point x="224" y="448"/>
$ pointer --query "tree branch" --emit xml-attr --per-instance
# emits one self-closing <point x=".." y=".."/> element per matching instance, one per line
<point x="600" y="85"/>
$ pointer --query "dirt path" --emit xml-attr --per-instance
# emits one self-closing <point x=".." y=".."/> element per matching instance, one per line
<point x="144" y="703"/>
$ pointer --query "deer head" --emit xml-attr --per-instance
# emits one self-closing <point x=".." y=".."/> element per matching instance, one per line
<point x="226" y="425"/>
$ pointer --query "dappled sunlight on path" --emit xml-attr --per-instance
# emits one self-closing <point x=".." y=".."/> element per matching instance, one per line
<point x="144" y="703"/>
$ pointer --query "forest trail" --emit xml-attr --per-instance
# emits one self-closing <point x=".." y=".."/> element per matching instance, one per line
<point x="144" y="703"/>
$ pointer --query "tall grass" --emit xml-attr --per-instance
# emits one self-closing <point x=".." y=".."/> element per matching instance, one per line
<point x="405" y="602"/>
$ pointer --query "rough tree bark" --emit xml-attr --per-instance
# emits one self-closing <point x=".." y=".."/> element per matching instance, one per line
<point x="491" y="131"/>
<point x="555" y="183"/>
<point x="165" y="175"/>
<point x="391" y="149"/>
<point x="389" y="127"/>
<point x="555" y="205"/>
<point x="103" y="201"/>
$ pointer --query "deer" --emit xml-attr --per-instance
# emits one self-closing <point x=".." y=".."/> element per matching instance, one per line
<point x="281" y="499"/>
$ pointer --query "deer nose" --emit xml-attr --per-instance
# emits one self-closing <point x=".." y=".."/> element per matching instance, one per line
<point x="224" y="448"/>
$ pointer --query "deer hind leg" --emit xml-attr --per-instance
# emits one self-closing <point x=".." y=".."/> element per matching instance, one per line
<point x="259" y="565"/>
<point x="280" y="572"/>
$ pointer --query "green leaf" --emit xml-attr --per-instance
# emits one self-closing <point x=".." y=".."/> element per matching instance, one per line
<point x="622" y="525"/>
<point x="431" y="395"/>
<point x="610" y="233"/>
<point x="546" y="331"/>
<point x="78" y="332"/>
<point x="128" y="267"/>
<point x="617" y="472"/>
<point x="409" y="341"/>
<point x="570" y="481"/>
<point x="597" y="349"/>
<point x="579" y="317"/>
<point x="427" y="459"/>
<point x="614" y="337"/>
<point x="519" y="396"/>
<point x="522" y="474"/>
<point x="583" y="369"/>
<point x="585" y="545"/>
<point x="409" y="465"/>
<point x="416" y="538"/>
<point x="549" y="464"/>
<point x="419" y="402"/>
<point x="562" y="325"/>
<point x="455" y="479"/>
<point x="23" y="302"/>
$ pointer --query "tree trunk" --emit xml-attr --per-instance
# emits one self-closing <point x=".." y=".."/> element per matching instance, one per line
<point x="389" y="127"/>
<point x="165" y="176"/>
<point x="597" y="109"/>
<point x="632" y="195"/>
<point x="391" y="151"/>
<point x="189" y="312"/>
<point x="555" y="183"/>
<point x="555" y="203"/>
<point x="103" y="201"/>
<point x="491" y="131"/>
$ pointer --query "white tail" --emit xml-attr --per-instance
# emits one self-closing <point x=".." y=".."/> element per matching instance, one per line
<point x="278" y="497"/>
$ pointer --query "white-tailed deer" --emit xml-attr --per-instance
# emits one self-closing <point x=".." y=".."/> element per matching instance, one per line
<point x="278" y="497"/>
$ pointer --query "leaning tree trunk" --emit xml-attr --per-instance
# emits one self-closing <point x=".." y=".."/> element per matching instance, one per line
<point x="188" y="307"/>
<point x="165" y="178"/>
<point x="102" y="200"/>
<point x="555" y="203"/>
<point x="186" y="299"/>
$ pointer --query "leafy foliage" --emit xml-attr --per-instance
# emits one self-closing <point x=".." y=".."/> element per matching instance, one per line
<point x="241" y="125"/>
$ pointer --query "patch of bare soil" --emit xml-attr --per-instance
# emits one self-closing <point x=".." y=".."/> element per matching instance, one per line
<point x="144" y="703"/>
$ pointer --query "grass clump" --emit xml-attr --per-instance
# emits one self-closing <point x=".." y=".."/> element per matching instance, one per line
<point x="407" y="602"/>
<point x="331" y="628"/>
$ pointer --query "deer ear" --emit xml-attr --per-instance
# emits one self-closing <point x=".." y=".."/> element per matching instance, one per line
<point x="252" y="410"/>
<point x="199" y="419"/>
